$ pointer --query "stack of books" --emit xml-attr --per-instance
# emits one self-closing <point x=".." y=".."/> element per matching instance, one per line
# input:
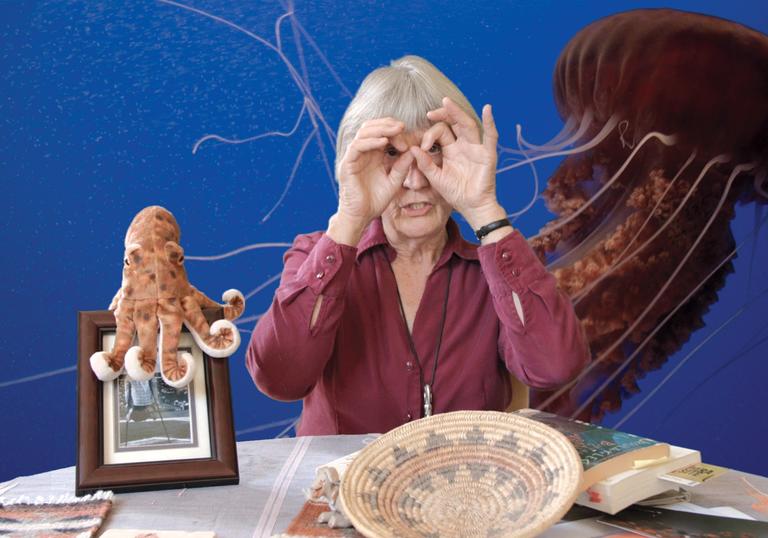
<point x="620" y="468"/>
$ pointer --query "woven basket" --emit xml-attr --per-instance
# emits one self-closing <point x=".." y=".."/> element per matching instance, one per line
<point x="462" y="474"/>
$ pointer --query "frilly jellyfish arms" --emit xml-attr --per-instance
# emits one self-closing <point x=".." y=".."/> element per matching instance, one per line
<point x="703" y="80"/>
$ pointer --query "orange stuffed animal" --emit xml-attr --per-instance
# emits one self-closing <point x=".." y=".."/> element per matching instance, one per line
<point x="155" y="289"/>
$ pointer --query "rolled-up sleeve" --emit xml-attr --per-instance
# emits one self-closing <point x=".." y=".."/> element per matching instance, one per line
<point x="541" y="340"/>
<point x="286" y="356"/>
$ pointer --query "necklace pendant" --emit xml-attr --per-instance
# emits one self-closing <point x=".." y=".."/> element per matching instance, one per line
<point x="427" y="400"/>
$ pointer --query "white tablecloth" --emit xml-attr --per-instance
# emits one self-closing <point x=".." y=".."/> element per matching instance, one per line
<point x="273" y="476"/>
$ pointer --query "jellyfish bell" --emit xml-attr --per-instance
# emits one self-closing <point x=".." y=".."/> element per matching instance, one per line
<point x="668" y="114"/>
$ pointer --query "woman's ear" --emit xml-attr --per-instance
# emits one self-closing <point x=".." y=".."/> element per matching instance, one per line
<point x="174" y="252"/>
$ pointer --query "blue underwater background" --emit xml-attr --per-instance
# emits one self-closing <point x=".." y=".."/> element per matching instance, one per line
<point x="101" y="104"/>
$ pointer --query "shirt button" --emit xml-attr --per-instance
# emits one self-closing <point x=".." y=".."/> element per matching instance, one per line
<point x="516" y="272"/>
<point x="408" y="416"/>
<point x="409" y="365"/>
<point x="505" y="255"/>
<point x="320" y="274"/>
<point x="330" y="258"/>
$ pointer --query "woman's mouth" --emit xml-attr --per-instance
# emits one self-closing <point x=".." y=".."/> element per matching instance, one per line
<point x="416" y="209"/>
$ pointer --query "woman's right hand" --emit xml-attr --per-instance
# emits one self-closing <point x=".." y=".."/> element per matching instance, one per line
<point x="367" y="183"/>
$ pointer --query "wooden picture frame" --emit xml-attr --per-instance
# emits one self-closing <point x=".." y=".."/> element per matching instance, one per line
<point x="104" y="464"/>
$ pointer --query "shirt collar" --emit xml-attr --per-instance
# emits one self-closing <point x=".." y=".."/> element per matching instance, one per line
<point x="374" y="236"/>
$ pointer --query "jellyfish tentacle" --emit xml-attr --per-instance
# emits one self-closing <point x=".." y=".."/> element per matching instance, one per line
<point x="240" y="250"/>
<point x="564" y="138"/>
<point x="535" y="174"/>
<point x="621" y="260"/>
<point x="267" y="282"/>
<point x="278" y="22"/>
<point x="555" y="144"/>
<point x="669" y="316"/>
<point x="599" y="137"/>
<point x="288" y="183"/>
<point x="739" y="311"/>
<point x="605" y="353"/>
<point x="758" y="218"/>
<point x="219" y="138"/>
<point x="565" y="132"/>
<point x="736" y="171"/>
<point x="291" y="69"/>
<point x="758" y="184"/>
<point x="667" y="140"/>
<point x="749" y="346"/>
<point x="315" y="113"/>
<point x="249" y="319"/>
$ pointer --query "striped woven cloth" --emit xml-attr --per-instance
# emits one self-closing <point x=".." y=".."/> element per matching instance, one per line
<point x="305" y="524"/>
<point x="54" y="518"/>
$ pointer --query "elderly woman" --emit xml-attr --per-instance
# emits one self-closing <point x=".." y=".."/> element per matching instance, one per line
<point x="389" y="314"/>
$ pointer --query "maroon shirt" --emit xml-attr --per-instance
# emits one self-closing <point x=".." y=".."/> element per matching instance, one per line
<point x="354" y="368"/>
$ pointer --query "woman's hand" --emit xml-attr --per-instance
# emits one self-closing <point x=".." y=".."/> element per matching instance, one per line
<point x="467" y="177"/>
<point x="366" y="187"/>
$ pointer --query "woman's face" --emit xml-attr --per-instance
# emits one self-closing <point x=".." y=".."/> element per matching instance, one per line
<point x="417" y="210"/>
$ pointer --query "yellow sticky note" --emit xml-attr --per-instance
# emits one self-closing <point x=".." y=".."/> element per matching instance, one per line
<point x="693" y="475"/>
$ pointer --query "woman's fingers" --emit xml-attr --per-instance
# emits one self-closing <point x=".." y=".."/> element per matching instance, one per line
<point x="384" y="127"/>
<point x="426" y="164"/>
<point x="463" y="125"/>
<point x="440" y="133"/>
<point x="399" y="143"/>
<point x="357" y="147"/>
<point x="490" y="134"/>
<point x="379" y="127"/>
<point x="400" y="169"/>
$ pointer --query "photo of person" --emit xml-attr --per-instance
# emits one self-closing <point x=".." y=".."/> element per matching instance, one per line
<point x="152" y="414"/>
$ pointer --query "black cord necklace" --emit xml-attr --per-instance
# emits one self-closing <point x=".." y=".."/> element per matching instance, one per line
<point x="428" y="388"/>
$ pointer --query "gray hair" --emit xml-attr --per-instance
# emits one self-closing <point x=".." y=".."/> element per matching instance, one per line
<point x="406" y="89"/>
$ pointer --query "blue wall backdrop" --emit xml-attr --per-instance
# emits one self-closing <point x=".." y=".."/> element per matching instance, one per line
<point x="101" y="104"/>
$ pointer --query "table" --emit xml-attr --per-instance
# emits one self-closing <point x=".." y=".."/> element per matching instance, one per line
<point x="273" y="476"/>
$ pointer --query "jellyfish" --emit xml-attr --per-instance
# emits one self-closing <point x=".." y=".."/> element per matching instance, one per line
<point x="666" y="121"/>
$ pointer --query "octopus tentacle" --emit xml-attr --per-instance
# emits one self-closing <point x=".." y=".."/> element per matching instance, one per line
<point x="177" y="368"/>
<point x="141" y="360"/>
<point x="108" y="365"/>
<point x="218" y="340"/>
<point x="235" y="302"/>
<point x="116" y="300"/>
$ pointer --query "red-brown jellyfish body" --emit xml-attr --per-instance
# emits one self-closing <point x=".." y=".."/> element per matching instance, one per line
<point x="672" y="117"/>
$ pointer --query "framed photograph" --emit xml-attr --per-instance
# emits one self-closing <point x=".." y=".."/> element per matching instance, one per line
<point x="143" y="435"/>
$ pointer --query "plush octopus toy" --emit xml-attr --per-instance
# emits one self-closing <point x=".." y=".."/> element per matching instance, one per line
<point x="155" y="292"/>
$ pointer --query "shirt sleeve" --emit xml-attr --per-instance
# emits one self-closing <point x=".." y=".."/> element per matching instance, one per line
<point x="541" y="340"/>
<point x="286" y="357"/>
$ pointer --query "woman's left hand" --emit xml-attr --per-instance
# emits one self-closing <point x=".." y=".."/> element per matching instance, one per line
<point x="467" y="177"/>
